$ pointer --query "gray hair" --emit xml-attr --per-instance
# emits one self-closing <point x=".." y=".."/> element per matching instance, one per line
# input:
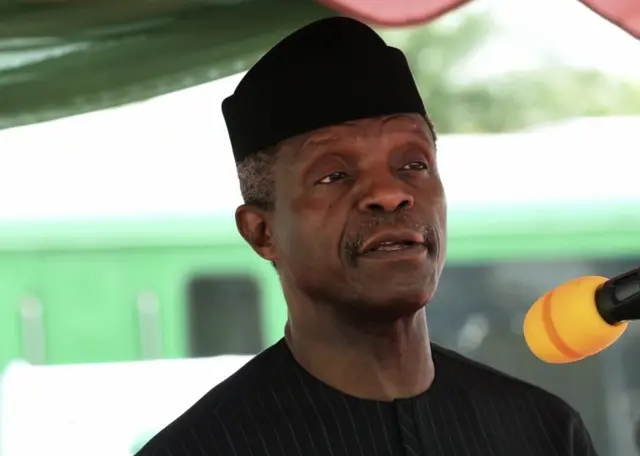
<point x="257" y="180"/>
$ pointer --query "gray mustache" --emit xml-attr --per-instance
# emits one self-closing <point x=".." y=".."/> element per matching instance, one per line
<point x="354" y="241"/>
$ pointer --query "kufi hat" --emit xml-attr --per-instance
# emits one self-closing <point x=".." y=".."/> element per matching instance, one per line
<point x="332" y="71"/>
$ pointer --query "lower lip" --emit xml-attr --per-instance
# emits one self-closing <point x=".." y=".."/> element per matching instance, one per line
<point x="412" y="252"/>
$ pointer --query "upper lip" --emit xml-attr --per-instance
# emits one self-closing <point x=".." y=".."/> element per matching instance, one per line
<point x="396" y="236"/>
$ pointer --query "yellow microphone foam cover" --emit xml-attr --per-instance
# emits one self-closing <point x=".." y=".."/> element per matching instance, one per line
<point x="564" y="325"/>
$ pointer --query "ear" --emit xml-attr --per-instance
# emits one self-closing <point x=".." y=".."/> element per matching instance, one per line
<point x="253" y="225"/>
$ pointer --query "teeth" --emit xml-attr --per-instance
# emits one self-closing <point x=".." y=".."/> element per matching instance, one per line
<point x="393" y="245"/>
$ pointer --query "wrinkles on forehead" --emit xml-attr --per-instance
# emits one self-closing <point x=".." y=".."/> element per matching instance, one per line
<point x="397" y="123"/>
<point x="305" y="148"/>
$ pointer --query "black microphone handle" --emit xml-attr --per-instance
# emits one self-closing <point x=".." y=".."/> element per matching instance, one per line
<point x="618" y="299"/>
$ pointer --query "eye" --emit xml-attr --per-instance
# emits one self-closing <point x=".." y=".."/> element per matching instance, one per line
<point x="333" y="177"/>
<point x="416" y="166"/>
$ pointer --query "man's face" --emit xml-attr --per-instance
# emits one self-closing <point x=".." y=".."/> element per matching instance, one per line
<point x="360" y="216"/>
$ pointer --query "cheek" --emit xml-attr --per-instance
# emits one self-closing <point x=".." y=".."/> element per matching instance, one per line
<point x="316" y="222"/>
<point x="439" y="203"/>
<point x="313" y="242"/>
<point x="297" y="237"/>
<point x="441" y="221"/>
<point x="442" y="213"/>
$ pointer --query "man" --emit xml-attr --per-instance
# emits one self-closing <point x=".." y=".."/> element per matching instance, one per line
<point x="338" y="168"/>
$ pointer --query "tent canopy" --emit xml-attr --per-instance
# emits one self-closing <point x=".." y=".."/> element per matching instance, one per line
<point x="63" y="58"/>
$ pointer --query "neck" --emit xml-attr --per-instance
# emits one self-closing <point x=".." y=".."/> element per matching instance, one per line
<point x="384" y="363"/>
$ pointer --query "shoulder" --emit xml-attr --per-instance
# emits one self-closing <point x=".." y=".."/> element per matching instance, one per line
<point x="202" y="427"/>
<point x="498" y="397"/>
<point x="489" y="387"/>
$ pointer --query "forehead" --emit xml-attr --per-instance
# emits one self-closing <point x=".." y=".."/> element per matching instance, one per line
<point x="397" y="123"/>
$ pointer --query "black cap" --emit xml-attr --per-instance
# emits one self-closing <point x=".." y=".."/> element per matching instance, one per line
<point x="332" y="71"/>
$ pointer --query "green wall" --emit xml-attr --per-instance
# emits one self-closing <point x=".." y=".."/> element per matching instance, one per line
<point x="87" y="276"/>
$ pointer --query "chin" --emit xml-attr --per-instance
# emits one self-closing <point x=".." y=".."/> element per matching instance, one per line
<point x="390" y="304"/>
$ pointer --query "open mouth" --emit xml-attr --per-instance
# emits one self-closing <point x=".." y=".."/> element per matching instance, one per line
<point x="390" y="246"/>
<point x="394" y="243"/>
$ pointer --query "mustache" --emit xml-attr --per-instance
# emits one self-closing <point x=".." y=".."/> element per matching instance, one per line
<point x="354" y="240"/>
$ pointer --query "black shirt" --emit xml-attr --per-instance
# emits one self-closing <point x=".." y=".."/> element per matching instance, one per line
<point x="273" y="407"/>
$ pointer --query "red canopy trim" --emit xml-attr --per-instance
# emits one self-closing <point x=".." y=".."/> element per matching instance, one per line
<point x="394" y="13"/>
<point x="623" y="13"/>
<point x="397" y="13"/>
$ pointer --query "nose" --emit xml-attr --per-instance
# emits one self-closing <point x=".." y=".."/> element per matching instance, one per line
<point x="385" y="196"/>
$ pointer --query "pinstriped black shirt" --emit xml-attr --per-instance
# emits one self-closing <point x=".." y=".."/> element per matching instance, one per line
<point x="273" y="407"/>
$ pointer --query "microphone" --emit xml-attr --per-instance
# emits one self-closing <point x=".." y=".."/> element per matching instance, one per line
<point x="582" y="317"/>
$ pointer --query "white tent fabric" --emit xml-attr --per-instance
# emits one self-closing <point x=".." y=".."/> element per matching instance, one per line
<point x="171" y="157"/>
<point x="63" y="410"/>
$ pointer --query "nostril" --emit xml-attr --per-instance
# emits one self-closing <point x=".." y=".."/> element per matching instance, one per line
<point x="388" y="206"/>
<point x="387" y="201"/>
<point x="375" y="207"/>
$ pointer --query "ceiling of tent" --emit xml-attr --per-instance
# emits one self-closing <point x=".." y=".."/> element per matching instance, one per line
<point x="59" y="58"/>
